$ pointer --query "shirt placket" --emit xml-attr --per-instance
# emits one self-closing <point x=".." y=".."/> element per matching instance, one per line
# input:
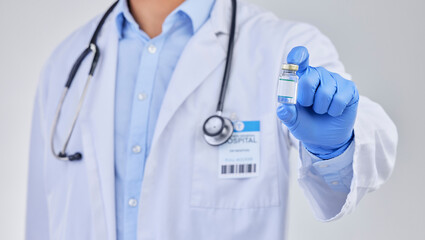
<point x="139" y="128"/>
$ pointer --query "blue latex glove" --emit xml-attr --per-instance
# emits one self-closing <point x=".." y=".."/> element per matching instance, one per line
<point x="326" y="108"/>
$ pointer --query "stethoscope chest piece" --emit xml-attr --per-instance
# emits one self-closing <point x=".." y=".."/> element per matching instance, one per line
<point x="217" y="130"/>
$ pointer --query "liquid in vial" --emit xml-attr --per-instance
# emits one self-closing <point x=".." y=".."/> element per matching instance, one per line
<point x="288" y="84"/>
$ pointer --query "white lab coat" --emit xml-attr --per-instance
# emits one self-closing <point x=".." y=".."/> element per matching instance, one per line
<point x="181" y="195"/>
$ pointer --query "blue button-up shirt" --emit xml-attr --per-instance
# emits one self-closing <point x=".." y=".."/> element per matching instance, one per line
<point x="144" y="69"/>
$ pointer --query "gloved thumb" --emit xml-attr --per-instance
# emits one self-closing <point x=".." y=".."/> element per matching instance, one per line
<point x="287" y="113"/>
<point x="300" y="56"/>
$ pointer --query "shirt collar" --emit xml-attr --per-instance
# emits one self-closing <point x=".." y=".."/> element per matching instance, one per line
<point x="123" y="14"/>
<point x="197" y="10"/>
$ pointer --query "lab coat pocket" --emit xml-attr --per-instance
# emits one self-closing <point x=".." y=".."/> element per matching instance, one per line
<point x="211" y="191"/>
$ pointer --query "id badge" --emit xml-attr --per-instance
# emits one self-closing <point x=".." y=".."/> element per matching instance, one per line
<point x="239" y="157"/>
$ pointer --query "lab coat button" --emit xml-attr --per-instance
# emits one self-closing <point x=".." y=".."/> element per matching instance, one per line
<point x="132" y="202"/>
<point x="136" y="149"/>
<point x="152" y="49"/>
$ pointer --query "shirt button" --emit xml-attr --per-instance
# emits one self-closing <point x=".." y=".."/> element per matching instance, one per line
<point x="141" y="96"/>
<point x="335" y="183"/>
<point x="152" y="49"/>
<point x="323" y="166"/>
<point x="132" y="202"/>
<point x="136" y="149"/>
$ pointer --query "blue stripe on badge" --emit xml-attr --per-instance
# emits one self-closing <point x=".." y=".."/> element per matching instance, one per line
<point x="246" y="126"/>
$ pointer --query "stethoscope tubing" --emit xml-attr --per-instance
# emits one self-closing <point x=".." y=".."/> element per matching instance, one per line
<point x="228" y="66"/>
<point x="93" y="48"/>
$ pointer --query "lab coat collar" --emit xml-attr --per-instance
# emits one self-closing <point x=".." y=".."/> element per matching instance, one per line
<point x="221" y="17"/>
<point x="203" y="51"/>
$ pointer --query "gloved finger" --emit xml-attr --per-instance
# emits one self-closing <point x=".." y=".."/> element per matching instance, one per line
<point x="325" y="91"/>
<point x="307" y="86"/>
<point x="287" y="113"/>
<point x="346" y="95"/>
<point x="300" y="56"/>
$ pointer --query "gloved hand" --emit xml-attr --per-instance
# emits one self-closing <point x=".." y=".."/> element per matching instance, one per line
<point x="326" y="108"/>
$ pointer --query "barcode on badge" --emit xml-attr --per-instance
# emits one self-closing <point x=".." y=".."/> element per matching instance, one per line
<point x="238" y="169"/>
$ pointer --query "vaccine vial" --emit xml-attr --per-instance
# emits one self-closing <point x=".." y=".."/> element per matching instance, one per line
<point x="288" y="84"/>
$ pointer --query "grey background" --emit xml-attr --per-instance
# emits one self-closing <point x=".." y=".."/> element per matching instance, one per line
<point x="381" y="42"/>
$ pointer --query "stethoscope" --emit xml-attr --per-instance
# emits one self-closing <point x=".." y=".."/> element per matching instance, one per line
<point x="217" y="129"/>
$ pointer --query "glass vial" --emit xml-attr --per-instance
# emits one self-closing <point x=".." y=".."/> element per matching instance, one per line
<point x="288" y="84"/>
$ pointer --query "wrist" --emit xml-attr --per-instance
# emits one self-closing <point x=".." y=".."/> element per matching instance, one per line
<point x="328" y="152"/>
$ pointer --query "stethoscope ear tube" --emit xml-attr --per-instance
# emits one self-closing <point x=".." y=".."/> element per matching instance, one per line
<point x="77" y="156"/>
<point x="62" y="154"/>
<point x="76" y="66"/>
<point x="91" y="48"/>
<point x="96" y="54"/>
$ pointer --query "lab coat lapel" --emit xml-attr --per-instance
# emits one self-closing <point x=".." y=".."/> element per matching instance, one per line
<point x="200" y="57"/>
<point x="98" y="135"/>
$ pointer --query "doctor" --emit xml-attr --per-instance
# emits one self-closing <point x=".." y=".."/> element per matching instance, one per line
<point x="144" y="170"/>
